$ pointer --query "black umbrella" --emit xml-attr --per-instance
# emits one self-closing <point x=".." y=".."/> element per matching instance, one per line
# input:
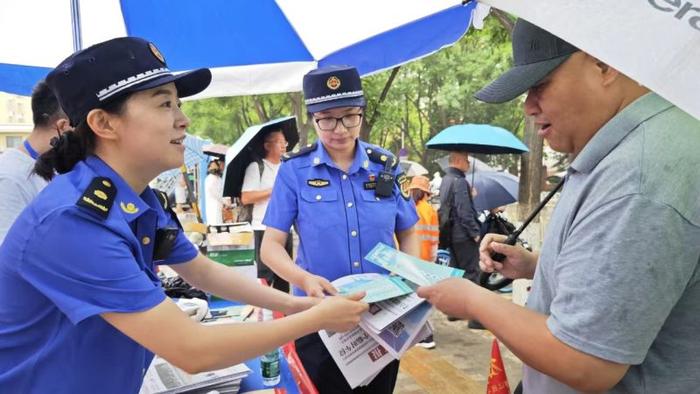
<point x="248" y="148"/>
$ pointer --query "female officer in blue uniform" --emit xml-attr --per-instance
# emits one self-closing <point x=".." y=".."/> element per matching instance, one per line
<point x="343" y="196"/>
<point x="81" y="308"/>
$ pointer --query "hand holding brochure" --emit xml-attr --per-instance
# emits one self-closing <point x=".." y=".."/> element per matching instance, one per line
<point x="378" y="287"/>
<point x="411" y="268"/>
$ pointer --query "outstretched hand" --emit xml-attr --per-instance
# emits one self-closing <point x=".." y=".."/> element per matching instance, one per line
<point x="341" y="313"/>
<point x="449" y="296"/>
<point x="318" y="286"/>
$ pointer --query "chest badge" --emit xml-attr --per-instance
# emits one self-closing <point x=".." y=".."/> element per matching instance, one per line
<point x="403" y="183"/>
<point x="318" y="182"/>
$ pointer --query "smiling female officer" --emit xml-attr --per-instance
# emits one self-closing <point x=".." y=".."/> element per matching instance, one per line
<point x="81" y="308"/>
<point x="343" y="196"/>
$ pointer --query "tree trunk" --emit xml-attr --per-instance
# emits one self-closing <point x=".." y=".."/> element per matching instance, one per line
<point x="531" y="173"/>
<point x="260" y="109"/>
<point x="303" y="122"/>
<point x="369" y="121"/>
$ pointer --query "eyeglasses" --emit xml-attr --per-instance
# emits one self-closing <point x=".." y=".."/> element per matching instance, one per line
<point x="283" y="144"/>
<point x="330" y="123"/>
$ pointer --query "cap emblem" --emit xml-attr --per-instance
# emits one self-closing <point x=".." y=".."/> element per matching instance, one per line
<point x="156" y="52"/>
<point x="333" y="83"/>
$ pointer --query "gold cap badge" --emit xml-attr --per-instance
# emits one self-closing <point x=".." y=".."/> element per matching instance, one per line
<point x="156" y="52"/>
<point x="333" y="83"/>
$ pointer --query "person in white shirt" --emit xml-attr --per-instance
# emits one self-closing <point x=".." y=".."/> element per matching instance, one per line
<point x="18" y="184"/>
<point x="257" y="188"/>
<point x="213" y="191"/>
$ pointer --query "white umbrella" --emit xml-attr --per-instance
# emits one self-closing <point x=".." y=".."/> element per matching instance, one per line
<point x="654" y="42"/>
<point x="412" y="168"/>
<point x="252" y="46"/>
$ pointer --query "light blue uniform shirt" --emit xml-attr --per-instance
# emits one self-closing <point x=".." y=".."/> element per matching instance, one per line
<point x="337" y="215"/>
<point x="62" y="265"/>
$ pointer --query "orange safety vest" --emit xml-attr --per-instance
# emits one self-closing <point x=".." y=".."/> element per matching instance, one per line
<point x="428" y="230"/>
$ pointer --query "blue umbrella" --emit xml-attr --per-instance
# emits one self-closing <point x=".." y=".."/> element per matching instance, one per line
<point x="477" y="138"/>
<point x="494" y="189"/>
<point x="252" y="46"/>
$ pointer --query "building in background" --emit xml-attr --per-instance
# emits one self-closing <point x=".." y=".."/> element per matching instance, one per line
<point x="15" y="120"/>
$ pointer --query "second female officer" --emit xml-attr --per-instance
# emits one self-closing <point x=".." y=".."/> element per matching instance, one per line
<point x="81" y="308"/>
<point x="343" y="196"/>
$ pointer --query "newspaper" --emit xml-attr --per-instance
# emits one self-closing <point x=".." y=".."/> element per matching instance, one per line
<point x="411" y="268"/>
<point x="378" y="287"/>
<point x="358" y="356"/>
<point x="400" y="335"/>
<point x="383" y="313"/>
<point x="164" y="378"/>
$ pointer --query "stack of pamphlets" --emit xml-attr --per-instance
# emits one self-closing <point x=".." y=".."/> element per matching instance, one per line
<point x="396" y="320"/>
<point x="164" y="378"/>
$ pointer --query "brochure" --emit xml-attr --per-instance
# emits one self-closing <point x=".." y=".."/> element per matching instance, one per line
<point x="411" y="268"/>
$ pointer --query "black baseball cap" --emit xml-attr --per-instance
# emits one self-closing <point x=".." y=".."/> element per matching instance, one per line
<point x="111" y="69"/>
<point x="536" y="53"/>
<point x="333" y="87"/>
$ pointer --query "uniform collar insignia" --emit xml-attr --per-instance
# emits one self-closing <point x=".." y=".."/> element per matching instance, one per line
<point x="129" y="208"/>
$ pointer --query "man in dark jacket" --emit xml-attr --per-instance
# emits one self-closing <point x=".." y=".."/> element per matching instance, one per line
<point x="455" y="194"/>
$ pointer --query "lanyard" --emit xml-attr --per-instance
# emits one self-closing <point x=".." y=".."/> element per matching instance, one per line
<point x="34" y="154"/>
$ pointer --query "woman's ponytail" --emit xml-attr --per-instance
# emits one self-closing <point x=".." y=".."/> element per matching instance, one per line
<point x="66" y="151"/>
<point x="70" y="147"/>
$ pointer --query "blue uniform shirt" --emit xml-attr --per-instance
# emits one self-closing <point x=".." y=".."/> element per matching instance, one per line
<point x="337" y="215"/>
<point x="60" y="267"/>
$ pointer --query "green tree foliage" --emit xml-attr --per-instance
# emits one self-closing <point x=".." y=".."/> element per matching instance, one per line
<point x="437" y="91"/>
<point x="426" y="96"/>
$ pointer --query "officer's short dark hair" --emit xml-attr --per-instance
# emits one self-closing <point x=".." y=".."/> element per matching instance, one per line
<point x="45" y="107"/>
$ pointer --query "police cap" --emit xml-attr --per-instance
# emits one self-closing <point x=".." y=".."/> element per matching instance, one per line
<point x="94" y="76"/>
<point x="333" y="87"/>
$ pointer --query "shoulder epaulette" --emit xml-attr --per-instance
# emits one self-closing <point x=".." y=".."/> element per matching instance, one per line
<point x="98" y="197"/>
<point x="299" y="152"/>
<point x="381" y="156"/>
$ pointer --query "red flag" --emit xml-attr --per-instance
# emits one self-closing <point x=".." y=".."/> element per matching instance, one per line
<point x="498" y="381"/>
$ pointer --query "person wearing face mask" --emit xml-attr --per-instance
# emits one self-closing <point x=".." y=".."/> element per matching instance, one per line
<point x="81" y="306"/>
<point x="18" y="184"/>
<point x="343" y="196"/>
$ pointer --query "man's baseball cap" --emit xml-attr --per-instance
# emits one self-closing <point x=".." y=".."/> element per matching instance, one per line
<point x="536" y="53"/>
<point x="94" y="76"/>
<point x="333" y="87"/>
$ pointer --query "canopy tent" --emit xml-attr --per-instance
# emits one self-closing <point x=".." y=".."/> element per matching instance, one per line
<point x="252" y="46"/>
<point x="654" y="42"/>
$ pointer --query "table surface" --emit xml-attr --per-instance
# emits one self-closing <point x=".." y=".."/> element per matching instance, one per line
<point x="293" y="378"/>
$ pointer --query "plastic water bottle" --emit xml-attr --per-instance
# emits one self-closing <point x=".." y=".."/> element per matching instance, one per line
<point x="270" y="362"/>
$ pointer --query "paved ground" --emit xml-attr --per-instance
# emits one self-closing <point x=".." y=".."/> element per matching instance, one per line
<point x="459" y="364"/>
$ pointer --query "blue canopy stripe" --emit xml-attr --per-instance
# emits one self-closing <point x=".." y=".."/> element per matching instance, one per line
<point x="215" y="33"/>
<point x="422" y="37"/>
